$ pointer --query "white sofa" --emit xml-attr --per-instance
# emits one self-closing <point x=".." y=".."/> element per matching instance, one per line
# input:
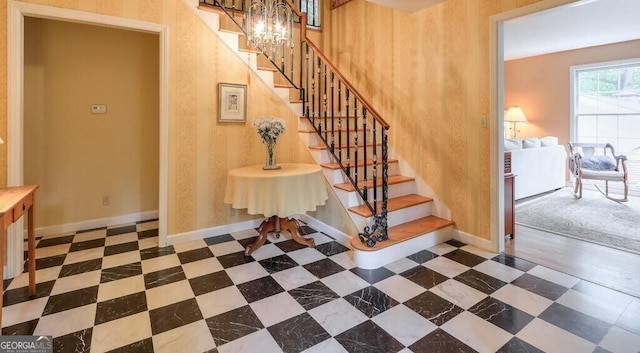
<point x="539" y="165"/>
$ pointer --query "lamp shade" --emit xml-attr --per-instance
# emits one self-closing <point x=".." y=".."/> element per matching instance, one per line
<point x="515" y="114"/>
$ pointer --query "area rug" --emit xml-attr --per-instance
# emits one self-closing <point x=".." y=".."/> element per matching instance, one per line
<point x="592" y="218"/>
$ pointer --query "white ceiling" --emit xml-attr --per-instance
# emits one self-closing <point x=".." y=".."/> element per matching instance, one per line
<point x="582" y="24"/>
<point x="578" y="25"/>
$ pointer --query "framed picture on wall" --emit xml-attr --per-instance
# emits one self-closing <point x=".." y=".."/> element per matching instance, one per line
<point x="232" y="103"/>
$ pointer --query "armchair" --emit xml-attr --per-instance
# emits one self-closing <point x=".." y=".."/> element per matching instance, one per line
<point x="597" y="161"/>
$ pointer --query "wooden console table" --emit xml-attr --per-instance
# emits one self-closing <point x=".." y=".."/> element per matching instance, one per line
<point x="277" y="194"/>
<point x="509" y="205"/>
<point x="14" y="202"/>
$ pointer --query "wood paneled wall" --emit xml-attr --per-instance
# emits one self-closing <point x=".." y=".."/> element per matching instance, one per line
<point x="427" y="73"/>
<point x="201" y="150"/>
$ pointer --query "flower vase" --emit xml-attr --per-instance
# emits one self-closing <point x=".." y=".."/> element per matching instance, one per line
<point x="270" y="162"/>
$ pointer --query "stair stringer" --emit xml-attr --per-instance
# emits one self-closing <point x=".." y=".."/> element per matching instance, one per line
<point x="439" y="208"/>
<point x="349" y="199"/>
<point x="366" y="260"/>
<point x="212" y="21"/>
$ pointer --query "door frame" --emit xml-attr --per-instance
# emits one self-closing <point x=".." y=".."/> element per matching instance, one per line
<point x="17" y="11"/>
<point x="496" y="106"/>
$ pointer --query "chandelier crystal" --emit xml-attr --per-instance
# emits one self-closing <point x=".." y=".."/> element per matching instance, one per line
<point x="269" y="25"/>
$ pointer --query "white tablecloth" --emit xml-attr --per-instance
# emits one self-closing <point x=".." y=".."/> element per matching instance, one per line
<point x="294" y="189"/>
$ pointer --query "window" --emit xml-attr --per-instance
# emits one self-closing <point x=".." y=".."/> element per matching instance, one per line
<point x="312" y="8"/>
<point x="606" y="108"/>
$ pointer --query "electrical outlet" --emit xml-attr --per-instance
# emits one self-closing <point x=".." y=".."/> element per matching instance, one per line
<point x="483" y="121"/>
<point x="105" y="200"/>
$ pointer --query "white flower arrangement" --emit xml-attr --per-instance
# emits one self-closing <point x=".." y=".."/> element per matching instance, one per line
<point x="269" y="128"/>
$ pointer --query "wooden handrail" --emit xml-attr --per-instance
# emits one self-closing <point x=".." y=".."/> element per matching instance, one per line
<point x="363" y="101"/>
<point x="325" y="60"/>
<point x="316" y="84"/>
<point x="295" y="9"/>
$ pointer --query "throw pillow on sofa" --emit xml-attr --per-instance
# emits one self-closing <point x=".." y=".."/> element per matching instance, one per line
<point x="598" y="163"/>
<point x="531" y="142"/>
<point x="512" y="144"/>
<point x="549" y="141"/>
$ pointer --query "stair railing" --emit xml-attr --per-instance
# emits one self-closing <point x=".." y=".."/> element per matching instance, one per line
<point x="343" y="120"/>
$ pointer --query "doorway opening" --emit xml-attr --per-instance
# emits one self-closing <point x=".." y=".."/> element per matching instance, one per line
<point x="17" y="11"/>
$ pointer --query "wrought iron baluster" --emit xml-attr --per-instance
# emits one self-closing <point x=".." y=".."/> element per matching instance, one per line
<point x="304" y="80"/>
<point x="348" y="169"/>
<point x="340" y="147"/>
<point x="317" y="82"/>
<point x="333" y="121"/>
<point x="365" y="193"/>
<point x="324" y="102"/>
<point x="375" y="167"/>
<point x="313" y="90"/>
<point x="355" y="136"/>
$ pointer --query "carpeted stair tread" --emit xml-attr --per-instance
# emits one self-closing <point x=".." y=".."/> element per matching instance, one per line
<point x="393" y="204"/>
<point x="405" y="231"/>
<point x="393" y="179"/>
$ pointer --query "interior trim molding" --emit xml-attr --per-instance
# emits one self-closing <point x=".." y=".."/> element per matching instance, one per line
<point x="16" y="12"/>
<point x="338" y="3"/>
<point x="471" y="239"/>
<point x="496" y="111"/>
<point x="213" y="231"/>
<point x="95" y="223"/>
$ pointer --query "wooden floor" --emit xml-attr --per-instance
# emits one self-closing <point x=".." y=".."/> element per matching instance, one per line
<point x="616" y="269"/>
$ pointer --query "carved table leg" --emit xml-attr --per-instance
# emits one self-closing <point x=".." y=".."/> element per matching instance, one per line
<point x="268" y="225"/>
<point x="291" y="225"/>
<point x="275" y="224"/>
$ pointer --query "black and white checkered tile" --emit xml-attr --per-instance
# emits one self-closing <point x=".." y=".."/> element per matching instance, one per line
<point x="114" y="290"/>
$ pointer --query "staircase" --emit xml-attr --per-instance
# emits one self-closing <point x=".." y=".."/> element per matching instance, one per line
<point x="346" y="137"/>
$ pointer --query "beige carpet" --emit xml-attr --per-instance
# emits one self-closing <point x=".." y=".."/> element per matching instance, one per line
<point x="593" y="218"/>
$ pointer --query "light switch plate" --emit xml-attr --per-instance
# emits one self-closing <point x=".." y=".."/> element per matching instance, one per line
<point x="98" y="109"/>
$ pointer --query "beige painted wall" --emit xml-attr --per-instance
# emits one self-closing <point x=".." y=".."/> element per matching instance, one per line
<point x="201" y="150"/>
<point x="427" y="74"/>
<point x="78" y="157"/>
<point x="541" y="86"/>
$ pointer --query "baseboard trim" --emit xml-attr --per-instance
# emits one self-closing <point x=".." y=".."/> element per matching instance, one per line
<point x="339" y="236"/>
<point x="370" y="260"/>
<point x="95" y="223"/>
<point x="213" y="231"/>
<point x="471" y="239"/>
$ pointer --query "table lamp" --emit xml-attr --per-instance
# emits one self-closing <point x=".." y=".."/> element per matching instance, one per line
<point x="515" y="115"/>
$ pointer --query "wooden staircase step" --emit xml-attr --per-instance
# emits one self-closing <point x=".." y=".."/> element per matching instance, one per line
<point x="282" y="85"/>
<point x="405" y="231"/>
<point x="341" y="147"/>
<point x="393" y="204"/>
<point x="311" y="130"/>
<point x="344" y="117"/>
<point x="267" y="68"/>
<point x="335" y="166"/>
<point x="393" y="179"/>
<point x="219" y="10"/>
<point x="249" y="50"/>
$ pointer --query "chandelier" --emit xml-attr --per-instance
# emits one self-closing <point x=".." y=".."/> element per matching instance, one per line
<point x="269" y="25"/>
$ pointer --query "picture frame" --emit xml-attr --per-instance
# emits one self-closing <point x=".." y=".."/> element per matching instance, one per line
<point x="232" y="103"/>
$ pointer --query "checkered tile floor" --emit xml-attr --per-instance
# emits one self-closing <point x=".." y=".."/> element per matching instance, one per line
<point x="114" y="290"/>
